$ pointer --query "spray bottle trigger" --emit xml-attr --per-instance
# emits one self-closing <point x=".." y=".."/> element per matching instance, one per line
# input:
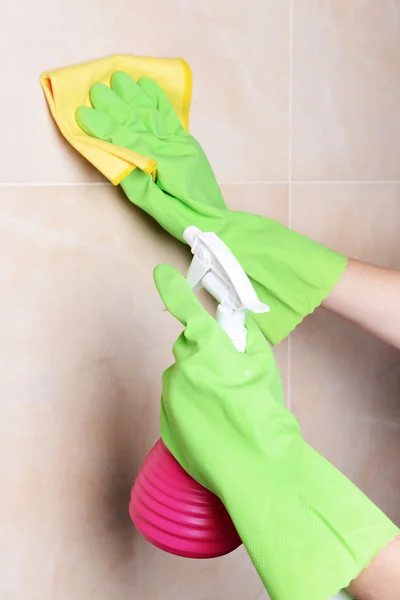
<point x="198" y="268"/>
<point x="217" y="270"/>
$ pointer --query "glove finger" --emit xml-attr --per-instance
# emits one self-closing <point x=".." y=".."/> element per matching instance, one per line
<point x="140" y="104"/>
<point x="130" y="92"/>
<point x="105" y="100"/>
<point x="177" y="295"/>
<point x="163" y="104"/>
<point x="101" y="126"/>
<point x="182" y="303"/>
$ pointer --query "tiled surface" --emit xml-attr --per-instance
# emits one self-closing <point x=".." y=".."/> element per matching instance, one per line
<point x="84" y="338"/>
<point x="346" y="70"/>
<point x="266" y="200"/>
<point x="239" y="59"/>
<point x="357" y="220"/>
<point x="345" y="385"/>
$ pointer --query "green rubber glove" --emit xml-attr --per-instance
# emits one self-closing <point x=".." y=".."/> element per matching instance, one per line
<point x="308" y="530"/>
<point x="289" y="272"/>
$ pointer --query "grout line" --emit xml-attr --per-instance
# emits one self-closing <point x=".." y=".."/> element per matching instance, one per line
<point x="261" y="182"/>
<point x="60" y="184"/>
<point x="290" y="89"/>
<point x="290" y="182"/>
<point x="345" y="182"/>
<point x="314" y="182"/>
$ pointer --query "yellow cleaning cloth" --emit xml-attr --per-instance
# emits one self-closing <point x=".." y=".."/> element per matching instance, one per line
<point x="68" y="88"/>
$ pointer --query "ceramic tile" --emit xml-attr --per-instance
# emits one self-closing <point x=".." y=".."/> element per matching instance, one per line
<point x="239" y="59"/>
<point x="360" y="221"/>
<point x="346" y="90"/>
<point x="268" y="200"/>
<point x="345" y="385"/>
<point x="84" y="342"/>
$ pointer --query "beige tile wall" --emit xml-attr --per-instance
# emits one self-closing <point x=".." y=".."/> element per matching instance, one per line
<point x="297" y="104"/>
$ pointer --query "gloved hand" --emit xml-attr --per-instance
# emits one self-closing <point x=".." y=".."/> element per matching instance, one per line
<point x="289" y="272"/>
<point x="308" y="530"/>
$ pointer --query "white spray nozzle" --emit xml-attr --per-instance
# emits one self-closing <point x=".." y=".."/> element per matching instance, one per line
<point x="216" y="269"/>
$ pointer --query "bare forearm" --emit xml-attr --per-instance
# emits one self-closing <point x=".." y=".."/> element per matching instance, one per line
<point x="381" y="579"/>
<point x="369" y="297"/>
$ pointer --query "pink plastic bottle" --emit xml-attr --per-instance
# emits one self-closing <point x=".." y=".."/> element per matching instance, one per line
<point x="175" y="513"/>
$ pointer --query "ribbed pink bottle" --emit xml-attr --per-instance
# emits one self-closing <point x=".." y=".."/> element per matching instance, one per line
<point x="175" y="513"/>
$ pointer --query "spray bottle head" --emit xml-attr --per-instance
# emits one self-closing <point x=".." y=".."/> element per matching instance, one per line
<point x="216" y="269"/>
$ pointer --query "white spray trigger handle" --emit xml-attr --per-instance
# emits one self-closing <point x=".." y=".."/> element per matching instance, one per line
<point x="216" y="269"/>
